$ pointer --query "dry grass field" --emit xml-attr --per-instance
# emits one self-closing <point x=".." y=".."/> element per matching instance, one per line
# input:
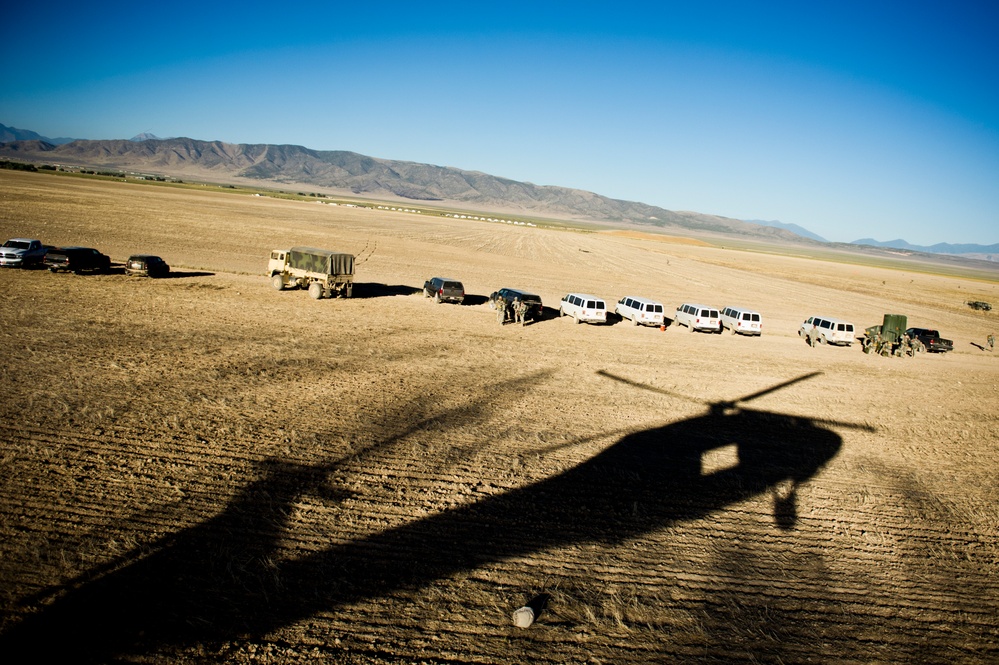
<point x="203" y="469"/>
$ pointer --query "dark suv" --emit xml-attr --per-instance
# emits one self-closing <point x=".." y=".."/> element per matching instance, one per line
<point x="534" y="306"/>
<point x="146" y="265"/>
<point x="444" y="289"/>
<point x="931" y="340"/>
<point x="76" y="259"/>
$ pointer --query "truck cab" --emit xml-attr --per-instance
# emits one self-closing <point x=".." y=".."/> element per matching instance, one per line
<point x="22" y="253"/>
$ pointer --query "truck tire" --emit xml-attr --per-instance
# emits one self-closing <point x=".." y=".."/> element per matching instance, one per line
<point x="316" y="290"/>
<point x="277" y="282"/>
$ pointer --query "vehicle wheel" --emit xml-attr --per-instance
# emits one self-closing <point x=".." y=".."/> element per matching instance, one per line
<point x="316" y="290"/>
<point x="277" y="282"/>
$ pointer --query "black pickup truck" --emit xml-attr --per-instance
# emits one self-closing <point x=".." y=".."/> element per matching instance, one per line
<point x="76" y="259"/>
<point x="931" y="340"/>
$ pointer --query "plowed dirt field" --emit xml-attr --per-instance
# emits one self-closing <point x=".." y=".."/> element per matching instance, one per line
<point x="204" y="469"/>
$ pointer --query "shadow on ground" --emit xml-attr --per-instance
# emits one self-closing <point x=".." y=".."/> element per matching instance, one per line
<point x="218" y="581"/>
<point x="375" y="290"/>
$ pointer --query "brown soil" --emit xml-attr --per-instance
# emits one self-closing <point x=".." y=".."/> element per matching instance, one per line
<point x="204" y="469"/>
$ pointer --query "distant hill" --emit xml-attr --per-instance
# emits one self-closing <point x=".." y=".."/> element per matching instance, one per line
<point x="793" y="228"/>
<point x="8" y="134"/>
<point x="982" y="252"/>
<point x="350" y="173"/>
<point x="335" y="171"/>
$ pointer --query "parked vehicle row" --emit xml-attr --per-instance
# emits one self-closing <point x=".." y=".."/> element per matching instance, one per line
<point x="31" y="253"/>
<point x="588" y="308"/>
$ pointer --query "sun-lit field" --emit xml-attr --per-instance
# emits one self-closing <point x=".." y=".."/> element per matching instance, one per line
<point x="204" y="469"/>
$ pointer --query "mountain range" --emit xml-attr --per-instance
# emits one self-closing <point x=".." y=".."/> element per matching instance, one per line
<point x="350" y="173"/>
<point x="983" y="252"/>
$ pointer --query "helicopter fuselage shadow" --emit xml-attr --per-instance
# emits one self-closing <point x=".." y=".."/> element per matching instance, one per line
<point x="217" y="581"/>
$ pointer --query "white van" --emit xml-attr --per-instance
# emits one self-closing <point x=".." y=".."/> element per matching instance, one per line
<point x="742" y="321"/>
<point x="826" y="330"/>
<point x="698" y="317"/>
<point x="583" y="307"/>
<point x="640" y="311"/>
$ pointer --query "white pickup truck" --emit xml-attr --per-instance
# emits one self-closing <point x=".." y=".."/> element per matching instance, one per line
<point x="22" y="253"/>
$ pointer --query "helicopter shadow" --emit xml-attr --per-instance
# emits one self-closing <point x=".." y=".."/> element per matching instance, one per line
<point x="219" y="581"/>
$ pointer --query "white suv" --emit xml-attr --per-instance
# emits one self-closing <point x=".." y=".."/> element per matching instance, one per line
<point x="641" y="311"/>
<point x="826" y="331"/>
<point x="743" y="321"/>
<point x="698" y="317"/>
<point x="583" y="307"/>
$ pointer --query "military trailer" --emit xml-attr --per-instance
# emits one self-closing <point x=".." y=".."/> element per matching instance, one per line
<point x="324" y="273"/>
<point x="890" y="338"/>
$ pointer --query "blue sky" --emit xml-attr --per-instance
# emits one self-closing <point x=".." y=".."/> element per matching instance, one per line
<point x="850" y="119"/>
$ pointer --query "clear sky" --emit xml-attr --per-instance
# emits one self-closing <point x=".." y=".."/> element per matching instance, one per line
<point x="851" y="119"/>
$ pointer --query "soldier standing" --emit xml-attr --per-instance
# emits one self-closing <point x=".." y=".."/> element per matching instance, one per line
<point x="500" y="310"/>
<point x="519" y="311"/>
<point x="991" y="341"/>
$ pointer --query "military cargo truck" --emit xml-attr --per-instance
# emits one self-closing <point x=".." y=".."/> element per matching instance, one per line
<point x="324" y="273"/>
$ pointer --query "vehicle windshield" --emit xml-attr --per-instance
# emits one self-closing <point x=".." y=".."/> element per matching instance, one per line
<point x="16" y="244"/>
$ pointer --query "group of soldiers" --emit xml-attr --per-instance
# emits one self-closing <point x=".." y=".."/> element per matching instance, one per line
<point x="906" y="346"/>
<point x="515" y="311"/>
